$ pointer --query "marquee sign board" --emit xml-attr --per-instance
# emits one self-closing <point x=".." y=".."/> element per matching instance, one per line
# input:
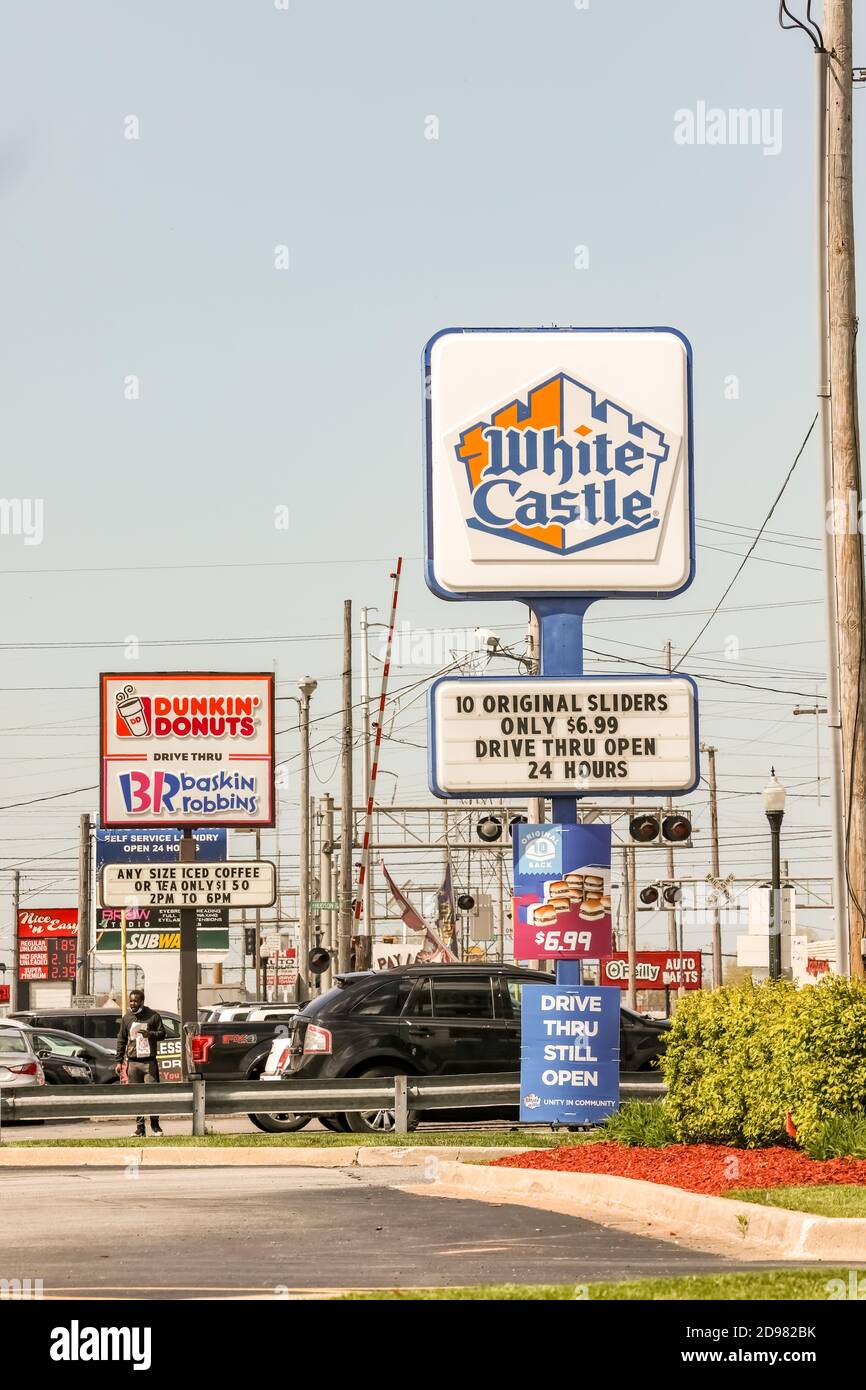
<point x="555" y="736"/>
<point x="187" y="749"/>
<point x="238" y="883"/>
<point x="559" y="462"/>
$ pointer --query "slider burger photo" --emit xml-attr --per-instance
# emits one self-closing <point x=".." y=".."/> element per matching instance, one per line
<point x="592" y="910"/>
<point x="558" y="889"/>
<point x="543" y="915"/>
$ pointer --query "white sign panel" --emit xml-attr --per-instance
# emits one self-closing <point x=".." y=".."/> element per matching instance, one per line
<point x="559" y="462"/>
<point x="240" y="883"/>
<point x="186" y="749"/>
<point x="547" y="736"/>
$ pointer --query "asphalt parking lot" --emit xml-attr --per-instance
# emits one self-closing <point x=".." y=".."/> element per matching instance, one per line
<point x="283" y="1233"/>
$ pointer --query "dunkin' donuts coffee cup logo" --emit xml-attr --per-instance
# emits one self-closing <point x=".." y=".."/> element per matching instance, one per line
<point x="564" y="469"/>
<point x="133" y="713"/>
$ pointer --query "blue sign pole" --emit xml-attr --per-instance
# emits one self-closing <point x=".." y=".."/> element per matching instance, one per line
<point x="560" y="626"/>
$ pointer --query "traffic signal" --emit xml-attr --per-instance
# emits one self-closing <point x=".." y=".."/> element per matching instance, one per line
<point x="659" y="827"/>
<point x="643" y="829"/>
<point x="318" y="960"/>
<point x="489" y="829"/>
<point x="676" y="829"/>
<point x="250" y="941"/>
<point x="465" y="902"/>
<point x="516" y="820"/>
<point x="660" y="895"/>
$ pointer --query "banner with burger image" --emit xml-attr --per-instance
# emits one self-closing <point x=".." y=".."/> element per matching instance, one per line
<point x="562" y="892"/>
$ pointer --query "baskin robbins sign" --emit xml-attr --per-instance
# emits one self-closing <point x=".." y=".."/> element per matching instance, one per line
<point x="559" y="461"/>
<point x="187" y="748"/>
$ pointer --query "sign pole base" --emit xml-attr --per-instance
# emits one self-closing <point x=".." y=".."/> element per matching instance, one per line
<point x="560" y="627"/>
<point x="188" y="954"/>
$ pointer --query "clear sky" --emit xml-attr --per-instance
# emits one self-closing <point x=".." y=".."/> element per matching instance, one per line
<point x="307" y="127"/>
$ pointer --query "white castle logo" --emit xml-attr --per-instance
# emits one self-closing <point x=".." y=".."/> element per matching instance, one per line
<point x="566" y="469"/>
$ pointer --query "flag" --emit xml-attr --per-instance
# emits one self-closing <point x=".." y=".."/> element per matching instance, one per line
<point x="410" y="916"/>
<point x="447" y="912"/>
<point x="434" y="948"/>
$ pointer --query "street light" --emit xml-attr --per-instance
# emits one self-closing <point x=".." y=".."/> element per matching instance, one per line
<point x="773" y="797"/>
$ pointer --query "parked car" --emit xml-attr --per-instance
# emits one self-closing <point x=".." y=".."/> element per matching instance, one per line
<point x="63" y="1064"/>
<point x="251" y="1010"/>
<point x="19" y="1065"/>
<point x="430" y="1020"/>
<point x="99" y="1057"/>
<point x="238" y="1050"/>
<point x="103" y="1025"/>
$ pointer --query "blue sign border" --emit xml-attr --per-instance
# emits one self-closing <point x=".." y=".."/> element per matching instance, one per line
<point x="548" y="791"/>
<point x="523" y="594"/>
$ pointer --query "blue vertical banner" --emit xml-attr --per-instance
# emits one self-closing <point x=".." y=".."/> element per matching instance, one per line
<point x="562" y="892"/>
<point x="569" y="1054"/>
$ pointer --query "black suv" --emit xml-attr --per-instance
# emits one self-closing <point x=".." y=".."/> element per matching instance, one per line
<point x="431" y="1020"/>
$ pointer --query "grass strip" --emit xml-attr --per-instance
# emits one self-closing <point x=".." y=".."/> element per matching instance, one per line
<point x="776" y="1285"/>
<point x="834" y="1199"/>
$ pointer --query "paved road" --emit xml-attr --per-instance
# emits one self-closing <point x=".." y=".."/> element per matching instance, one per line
<point x="223" y="1233"/>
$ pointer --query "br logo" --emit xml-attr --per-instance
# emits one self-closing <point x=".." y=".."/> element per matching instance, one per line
<point x="565" y="469"/>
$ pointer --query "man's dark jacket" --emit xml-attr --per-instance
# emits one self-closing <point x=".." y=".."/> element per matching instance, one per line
<point x="155" y="1034"/>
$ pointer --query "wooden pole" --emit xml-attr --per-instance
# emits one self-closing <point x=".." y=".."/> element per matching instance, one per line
<point x="346" y="817"/>
<point x="847" y="491"/>
<point x="715" y="915"/>
<point x="670" y="867"/>
<point x="82" y="974"/>
<point x="630" y="904"/>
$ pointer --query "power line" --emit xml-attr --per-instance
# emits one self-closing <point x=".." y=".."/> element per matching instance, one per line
<point x="748" y="554"/>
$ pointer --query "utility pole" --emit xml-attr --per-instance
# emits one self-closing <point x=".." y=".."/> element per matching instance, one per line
<point x="716" y="918"/>
<point x="847" y="489"/>
<point x="306" y="687"/>
<point x="188" y="948"/>
<point x="346" y="818"/>
<point x="815" y="709"/>
<point x="326" y="877"/>
<point x="833" y="488"/>
<point x="368" y="762"/>
<point x="669" y="853"/>
<point x="15" y="986"/>
<point x="258" y="921"/>
<point x="82" y="973"/>
<point x="630" y="904"/>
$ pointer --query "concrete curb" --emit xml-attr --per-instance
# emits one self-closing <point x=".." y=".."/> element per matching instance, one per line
<point x="252" y="1156"/>
<point x="665" y="1212"/>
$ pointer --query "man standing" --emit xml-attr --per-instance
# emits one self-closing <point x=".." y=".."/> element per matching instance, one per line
<point x="141" y="1030"/>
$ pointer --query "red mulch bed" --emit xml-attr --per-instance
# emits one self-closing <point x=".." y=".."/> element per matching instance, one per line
<point x="695" y="1167"/>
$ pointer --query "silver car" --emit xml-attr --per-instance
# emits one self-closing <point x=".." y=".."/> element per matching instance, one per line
<point x="19" y="1064"/>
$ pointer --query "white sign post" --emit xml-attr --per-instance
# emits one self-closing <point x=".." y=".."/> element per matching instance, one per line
<point x="238" y="883"/>
<point x="563" y="737"/>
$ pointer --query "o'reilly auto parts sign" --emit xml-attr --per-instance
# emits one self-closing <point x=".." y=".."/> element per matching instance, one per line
<point x="187" y="748"/>
<point x="559" y="461"/>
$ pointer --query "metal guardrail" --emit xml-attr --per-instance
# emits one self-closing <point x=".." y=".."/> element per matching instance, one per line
<point x="198" y="1098"/>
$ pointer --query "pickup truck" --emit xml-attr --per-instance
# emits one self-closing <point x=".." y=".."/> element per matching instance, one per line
<point x="238" y="1051"/>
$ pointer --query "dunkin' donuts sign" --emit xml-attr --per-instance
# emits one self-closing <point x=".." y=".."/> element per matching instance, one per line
<point x="187" y="749"/>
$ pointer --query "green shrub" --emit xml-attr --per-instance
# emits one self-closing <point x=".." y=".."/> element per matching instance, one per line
<point x="842" y="1137"/>
<point x="740" y="1058"/>
<point x="640" y="1123"/>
